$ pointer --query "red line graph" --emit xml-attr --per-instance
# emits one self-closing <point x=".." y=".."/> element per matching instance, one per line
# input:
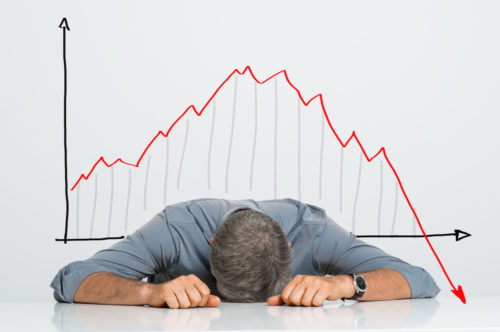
<point x="456" y="290"/>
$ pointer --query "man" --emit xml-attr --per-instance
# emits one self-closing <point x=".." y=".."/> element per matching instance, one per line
<point x="195" y="253"/>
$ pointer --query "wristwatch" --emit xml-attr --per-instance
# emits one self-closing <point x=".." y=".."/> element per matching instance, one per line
<point x="359" y="285"/>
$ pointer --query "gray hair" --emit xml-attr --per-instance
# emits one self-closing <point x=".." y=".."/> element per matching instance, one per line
<point x="250" y="258"/>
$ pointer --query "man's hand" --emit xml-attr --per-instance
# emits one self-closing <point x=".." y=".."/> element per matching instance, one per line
<point x="308" y="291"/>
<point x="182" y="292"/>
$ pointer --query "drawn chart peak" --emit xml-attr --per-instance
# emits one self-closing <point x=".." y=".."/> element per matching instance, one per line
<point x="200" y="111"/>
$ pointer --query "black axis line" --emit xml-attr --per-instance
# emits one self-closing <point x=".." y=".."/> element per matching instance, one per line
<point x="458" y="234"/>
<point x="64" y="26"/>
<point x="92" y="238"/>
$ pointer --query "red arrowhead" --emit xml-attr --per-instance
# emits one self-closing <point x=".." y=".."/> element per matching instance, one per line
<point x="459" y="293"/>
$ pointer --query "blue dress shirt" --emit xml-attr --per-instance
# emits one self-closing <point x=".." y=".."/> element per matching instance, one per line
<point x="177" y="242"/>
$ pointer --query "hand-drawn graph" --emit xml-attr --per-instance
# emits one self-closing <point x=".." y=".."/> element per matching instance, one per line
<point x="252" y="138"/>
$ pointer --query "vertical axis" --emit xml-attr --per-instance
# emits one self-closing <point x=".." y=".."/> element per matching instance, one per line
<point x="64" y="25"/>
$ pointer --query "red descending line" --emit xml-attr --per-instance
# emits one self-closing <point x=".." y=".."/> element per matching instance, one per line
<point x="457" y="291"/>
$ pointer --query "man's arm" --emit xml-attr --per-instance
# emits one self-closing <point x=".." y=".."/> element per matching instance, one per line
<point x="147" y="251"/>
<point x="382" y="284"/>
<point x="340" y="252"/>
<point x="107" y="288"/>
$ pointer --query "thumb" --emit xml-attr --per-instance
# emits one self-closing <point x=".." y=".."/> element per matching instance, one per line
<point x="275" y="300"/>
<point x="213" y="301"/>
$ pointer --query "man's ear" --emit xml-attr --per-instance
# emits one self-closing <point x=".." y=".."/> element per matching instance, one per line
<point x="211" y="242"/>
<point x="289" y="244"/>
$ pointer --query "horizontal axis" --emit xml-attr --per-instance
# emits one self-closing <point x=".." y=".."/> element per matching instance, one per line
<point x="92" y="238"/>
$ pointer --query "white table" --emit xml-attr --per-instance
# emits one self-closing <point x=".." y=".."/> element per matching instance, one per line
<point x="443" y="313"/>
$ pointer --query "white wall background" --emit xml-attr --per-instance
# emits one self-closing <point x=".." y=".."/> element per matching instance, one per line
<point x="420" y="78"/>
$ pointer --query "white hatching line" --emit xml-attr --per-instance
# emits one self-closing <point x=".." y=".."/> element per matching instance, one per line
<point x="341" y="176"/>
<point x="299" y="180"/>
<point x="179" y="172"/>
<point x="321" y="157"/>
<point x="166" y="172"/>
<point x="414" y="225"/>
<point x="209" y="162"/>
<point x="78" y="212"/>
<point x="128" y="198"/>
<point x="111" y="200"/>
<point x="232" y="133"/>
<point x="275" y="138"/>
<point x="146" y="183"/>
<point x="395" y="208"/>
<point x="357" y="194"/>
<point x="254" y="136"/>
<point x="381" y="193"/>
<point x="94" y="207"/>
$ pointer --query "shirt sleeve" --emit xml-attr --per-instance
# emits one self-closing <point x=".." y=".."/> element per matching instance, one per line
<point x="340" y="252"/>
<point x="147" y="251"/>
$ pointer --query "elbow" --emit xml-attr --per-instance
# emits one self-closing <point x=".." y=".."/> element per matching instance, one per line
<point x="424" y="286"/>
<point x="59" y="284"/>
<point x="69" y="278"/>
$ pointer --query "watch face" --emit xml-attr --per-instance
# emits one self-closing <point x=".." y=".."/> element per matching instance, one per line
<point x="361" y="282"/>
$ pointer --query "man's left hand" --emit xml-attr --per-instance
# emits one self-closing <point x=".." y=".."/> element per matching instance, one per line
<point x="304" y="290"/>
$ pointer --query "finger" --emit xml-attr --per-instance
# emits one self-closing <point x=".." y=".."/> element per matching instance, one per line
<point x="202" y="289"/>
<point x="319" y="298"/>
<point x="193" y="295"/>
<point x="168" y="296"/>
<point x="289" y="288"/>
<point x="182" y="297"/>
<point x="297" y="293"/>
<point x="213" y="301"/>
<point x="275" y="300"/>
<point x="308" y="296"/>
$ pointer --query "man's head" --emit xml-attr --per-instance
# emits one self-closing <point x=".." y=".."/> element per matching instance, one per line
<point x="250" y="257"/>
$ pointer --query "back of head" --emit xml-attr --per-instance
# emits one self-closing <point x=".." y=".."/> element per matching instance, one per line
<point x="250" y="257"/>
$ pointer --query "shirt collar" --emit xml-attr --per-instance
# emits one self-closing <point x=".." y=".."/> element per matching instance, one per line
<point x="235" y="209"/>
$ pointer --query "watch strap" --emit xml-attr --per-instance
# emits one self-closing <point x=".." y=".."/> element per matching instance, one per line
<point x="359" y="292"/>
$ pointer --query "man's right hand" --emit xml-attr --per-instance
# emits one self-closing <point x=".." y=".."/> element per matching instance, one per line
<point x="182" y="292"/>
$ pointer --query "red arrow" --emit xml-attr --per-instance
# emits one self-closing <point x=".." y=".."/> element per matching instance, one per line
<point x="457" y="291"/>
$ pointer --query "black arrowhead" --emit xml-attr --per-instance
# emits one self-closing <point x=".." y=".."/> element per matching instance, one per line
<point x="459" y="235"/>
<point x="64" y="24"/>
